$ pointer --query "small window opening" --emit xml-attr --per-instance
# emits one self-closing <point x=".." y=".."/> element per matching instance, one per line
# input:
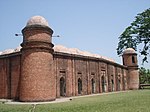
<point x="133" y="59"/>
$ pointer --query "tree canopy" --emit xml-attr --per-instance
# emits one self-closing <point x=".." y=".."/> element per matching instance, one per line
<point x="144" y="75"/>
<point x="138" y="33"/>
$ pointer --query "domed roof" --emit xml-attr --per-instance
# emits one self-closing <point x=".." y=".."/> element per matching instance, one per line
<point x="60" y="48"/>
<point x="37" y="20"/>
<point x="129" y="51"/>
<point x="7" y="51"/>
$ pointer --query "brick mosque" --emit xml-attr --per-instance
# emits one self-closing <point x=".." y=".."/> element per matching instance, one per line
<point x="38" y="71"/>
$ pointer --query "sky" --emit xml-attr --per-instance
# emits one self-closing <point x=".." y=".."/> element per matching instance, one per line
<point x="89" y="25"/>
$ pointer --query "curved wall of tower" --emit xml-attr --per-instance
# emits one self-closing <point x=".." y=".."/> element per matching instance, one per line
<point x="130" y="60"/>
<point x="37" y="78"/>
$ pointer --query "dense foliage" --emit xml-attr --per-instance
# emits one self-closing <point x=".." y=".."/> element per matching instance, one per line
<point x="138" y="33"/>
<point x="144" y="76"/>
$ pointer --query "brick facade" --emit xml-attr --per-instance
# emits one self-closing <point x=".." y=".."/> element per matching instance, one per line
<point x="38" y="73"/>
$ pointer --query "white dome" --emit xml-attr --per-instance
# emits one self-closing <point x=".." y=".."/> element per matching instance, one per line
<point x="60" y="48"/>
<point x="129" y="51"/>
<point x="17" y="49"/>
<point x="8" y="51"/>
<point x="37" y="20"/>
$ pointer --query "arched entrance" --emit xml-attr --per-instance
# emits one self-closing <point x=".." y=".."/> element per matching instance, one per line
<point x="79" y="86"/>
<point x="119" y="85"/>
<point x="103" y="83"/>
<point x="112" y="84"/>
<point x="93" y="85"/>
<point x="62" y="87"/>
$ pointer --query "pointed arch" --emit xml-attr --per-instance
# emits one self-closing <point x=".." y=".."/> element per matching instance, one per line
<point x="119" y="84"/>
<point x="62" y="87"/>
<point x="93" y="85"/>
<point x="79" y="86"/>
<point x="112" y="84"/>
<point x="103" y="83"/>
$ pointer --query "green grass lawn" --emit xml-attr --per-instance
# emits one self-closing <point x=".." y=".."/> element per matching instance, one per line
<point x="132" y="101"/>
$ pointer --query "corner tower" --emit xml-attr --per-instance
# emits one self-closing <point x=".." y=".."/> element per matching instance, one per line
<point x="37" y="81"/>
<point x="130" y="60"/>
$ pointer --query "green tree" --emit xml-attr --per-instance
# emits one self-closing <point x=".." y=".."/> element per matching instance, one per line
<point x="138" y="33"/>
<point x="144" y="75"/>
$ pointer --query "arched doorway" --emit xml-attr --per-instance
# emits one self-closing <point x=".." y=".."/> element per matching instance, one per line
<point x="93" y="85"/>
<point x="62" y="87"/>
<point x="79" y="86"/>
<point x="119" y="85"/>
<point x="103" y="83"/>
<point x="112" y="84"/>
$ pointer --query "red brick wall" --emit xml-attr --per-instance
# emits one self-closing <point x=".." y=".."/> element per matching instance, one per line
<point x="37" y="82"/>
<point x="3" y="78"/>
<point x="71" y="68"/>
<point x="37" y="79"/>
<point x="15" y="76"/>
<point x="81" y="72"/>
<point x="9" y="76"/>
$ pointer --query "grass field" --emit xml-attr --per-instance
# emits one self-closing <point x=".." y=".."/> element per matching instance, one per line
<point x="132" y="101"/>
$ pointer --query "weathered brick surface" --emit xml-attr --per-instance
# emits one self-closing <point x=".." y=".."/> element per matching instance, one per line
<point x="71" y="68"/>
<point x="130" y="60"/>
<point x="3" y="79"/>
<point x="37" y="78"/>
<point x="9" y="76"/>
<point x="36" y="73"/>
<point x="15" y="76"/>
<point x="41" y="73"/>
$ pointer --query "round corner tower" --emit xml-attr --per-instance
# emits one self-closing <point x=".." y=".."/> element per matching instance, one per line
<point x="37" y="81"/>
<point x="130" y="60"/>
